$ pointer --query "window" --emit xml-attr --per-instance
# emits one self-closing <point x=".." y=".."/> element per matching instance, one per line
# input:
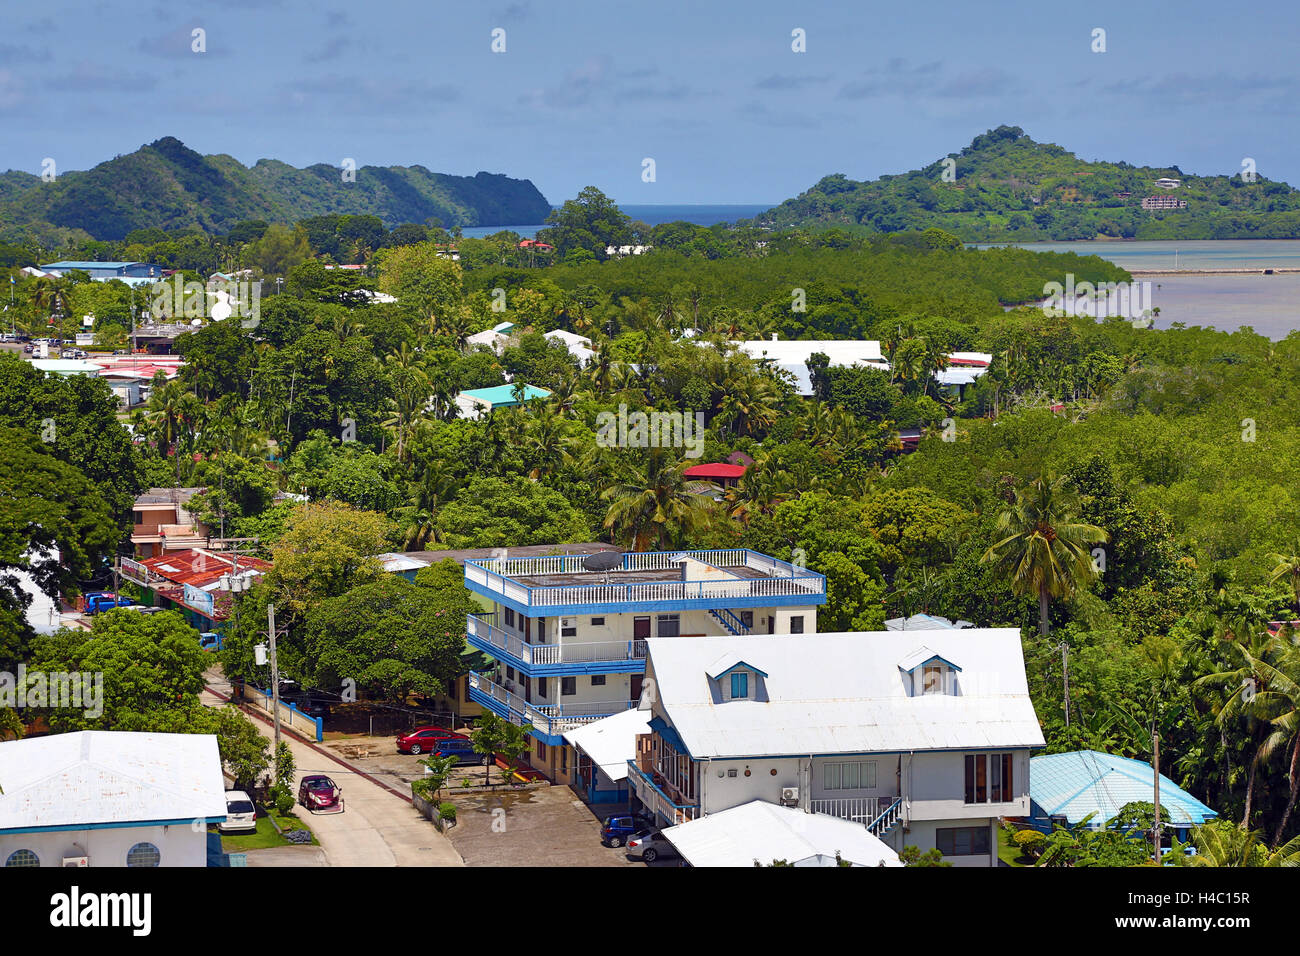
<point x="510" y="672"/>
<point x="597" y="680"/>
<point x="669" y="625"/>
<point x="858" y="775"/>
<point x="541" y="687"/>
<point x="568" y="686"/>
<point x="597" y="622"/>
<point x="23" y="858"/>
<point x="510" y="617"/>
<point x="143" y="854"/>
<point x="796" y="624"/>
<point x="739" y="685"/>
<point x="541" y="750"/>
<point x="568" y="627"/>
<point x="137" y="517"/>
<point x="962" y="841"/>
<point x="541" y="630"/>
<point x="932" y="679"/>
<point x="989" y="778"/>
<point x="747" y="618"/>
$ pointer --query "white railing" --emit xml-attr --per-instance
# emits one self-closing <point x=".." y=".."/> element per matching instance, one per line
<point x="808" y="585"/>
<point x="548" y="718"/>
<point x="858" y="809"/>
<point x="656" y="800"/>
<point x="562" y="653"/>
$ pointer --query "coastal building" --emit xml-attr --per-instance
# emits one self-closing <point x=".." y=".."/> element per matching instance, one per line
<point x="109" y="799"/>
<point x="1065" y="788"/>
<point x="480" y="402"/>
<point x="197" y="582"/>
<point x="1163" y="202"/>
<point x="922" y="737"/>
<point x="162" y="522"/>
<point x="132" y="273"/>
<point x="792" y="355"/>
<point x="568" y="634"/>
<point x="759" y="833"/>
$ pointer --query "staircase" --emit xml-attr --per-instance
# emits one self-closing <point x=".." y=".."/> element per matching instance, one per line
<point x="730" y="621"/>
<point x="884" y="824"/>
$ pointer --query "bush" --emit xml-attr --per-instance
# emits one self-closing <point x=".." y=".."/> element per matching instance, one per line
<point x="283" y="799"/>
<point x="447" y="811"/>
<point x="1031" y="843"/>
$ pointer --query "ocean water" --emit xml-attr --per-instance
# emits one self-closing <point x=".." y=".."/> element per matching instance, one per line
<point x="1268" y="304"/>
<point x="654" y="215"/>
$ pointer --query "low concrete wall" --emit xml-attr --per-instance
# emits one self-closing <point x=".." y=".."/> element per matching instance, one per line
<point x="290" y="716"/>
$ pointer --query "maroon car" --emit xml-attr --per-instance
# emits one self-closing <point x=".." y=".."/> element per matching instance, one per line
<point x="319" y="792"/>
<point x="425" y="739"/>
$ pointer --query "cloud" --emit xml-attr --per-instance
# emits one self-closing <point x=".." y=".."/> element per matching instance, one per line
<point x="95" y="78"/>
<point x="514" y="12"/>
<point x="369" y="96"/>
<point x="778" y="82"/>
<point x="1192" y="89"/>
<point x="972" y="84"/>
<point x="898" y="77"/>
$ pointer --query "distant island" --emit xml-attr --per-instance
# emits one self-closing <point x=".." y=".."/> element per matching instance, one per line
<point x="1005" y="186"/>
<point x="169" y="186"/>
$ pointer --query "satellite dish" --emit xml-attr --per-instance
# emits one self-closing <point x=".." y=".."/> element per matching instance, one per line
<point x="603" y="561"/>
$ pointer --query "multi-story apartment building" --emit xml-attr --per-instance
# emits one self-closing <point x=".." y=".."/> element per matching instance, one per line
<point x="922" y="736"/>
<point x="570" y="642"/>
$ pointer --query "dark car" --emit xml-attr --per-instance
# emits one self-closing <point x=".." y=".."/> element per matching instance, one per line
<point x="318" y="792"/>
<point x="314" y="706"/>
<point x="461" y="747"/>
<point x="617" y="829"/>
<point x="425" y="739"/>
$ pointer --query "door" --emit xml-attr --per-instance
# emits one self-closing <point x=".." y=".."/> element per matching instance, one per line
<point x="635" y="693"/>
<point x="771" y="623"/>
<point x="640" y="628"/>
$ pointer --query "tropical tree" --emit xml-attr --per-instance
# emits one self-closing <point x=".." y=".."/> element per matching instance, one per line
<point x="652" y="504"/>
<point x="1286" y="567"/>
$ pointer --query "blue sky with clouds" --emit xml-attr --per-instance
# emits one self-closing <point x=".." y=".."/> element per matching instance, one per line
<point x="709" y="88"/>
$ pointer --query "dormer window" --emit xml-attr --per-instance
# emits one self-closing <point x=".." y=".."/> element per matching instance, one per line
<point x="925" y="673"/>
<point x="739" y="684"/>
<point x="735" y="679"/>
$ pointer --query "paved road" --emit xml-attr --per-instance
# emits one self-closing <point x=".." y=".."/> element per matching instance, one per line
<point x="376" y="828"/>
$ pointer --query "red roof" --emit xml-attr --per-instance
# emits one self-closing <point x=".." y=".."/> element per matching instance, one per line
<point x="199" y="568"/>
<point x="715" y="471"/>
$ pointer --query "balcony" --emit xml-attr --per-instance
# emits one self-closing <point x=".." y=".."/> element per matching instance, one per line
<point x="653" y="581"/>
<point x="563" y="659"/>
<point x="549" y="721"/>
<point x="656" y="800"/>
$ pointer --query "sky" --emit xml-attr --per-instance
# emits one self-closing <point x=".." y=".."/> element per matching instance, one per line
<point x="711" y="90"/>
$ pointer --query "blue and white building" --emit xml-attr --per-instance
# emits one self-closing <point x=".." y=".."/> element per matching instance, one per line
<point x="132" y="273"/>
<point x="922" y="737"/>
<point x="570" y="644"/>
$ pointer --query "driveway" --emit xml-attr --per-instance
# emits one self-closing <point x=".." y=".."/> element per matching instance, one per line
<point x="377" y="828"/>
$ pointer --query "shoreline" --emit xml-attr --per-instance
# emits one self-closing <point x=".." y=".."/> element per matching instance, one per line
<point x="1214" y="272"/>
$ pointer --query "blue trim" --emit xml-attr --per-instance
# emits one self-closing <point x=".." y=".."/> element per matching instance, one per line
<point x="747" y="666"/>
<point x="569" y="669"/>
<point x="644" y="607"/>
<point x="668" y="733"/>
<point x="186" y="821"/>
<point x="934" y="657"/>
<point x="503" y="711"/>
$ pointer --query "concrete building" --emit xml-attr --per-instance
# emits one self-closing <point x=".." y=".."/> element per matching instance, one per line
<point x="478" y="402"/>
<point x="570" y="642"/>
<point x="109" y="799"/>
<point x="132" y="273"/>
<point x="162" y="522"/>
<point x="922" y="737"/>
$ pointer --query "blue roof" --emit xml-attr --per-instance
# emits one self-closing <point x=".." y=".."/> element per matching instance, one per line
<point x="504" y="395"/>
<point x="1075" y="784"/>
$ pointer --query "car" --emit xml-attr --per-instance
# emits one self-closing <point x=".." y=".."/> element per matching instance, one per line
<point x="313" y="706"/>
<point x="319" y="792"/>
<point x="241" y="815"/>
<point x="421" y="739"/>
<point x="29" y="348"/>
<point x="68" y="354"/>
<point x="461" y="748"/>
<point x="79" y="353"/>
<point x="617" y="828"/>
<point x="650" y="845"/>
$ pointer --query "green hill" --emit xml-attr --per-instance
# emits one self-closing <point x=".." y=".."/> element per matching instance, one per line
<point x="1007" y="187"/>
<point x="168" y="185"/>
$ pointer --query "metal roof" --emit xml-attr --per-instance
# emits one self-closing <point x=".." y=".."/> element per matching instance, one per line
<point x="611" y="741"/>
<point x="761" y="832"/>
<point x="843" y="693"/>
<point x="1075" y="784"/>
<point x="101" y="778"/>
<point x="504" y="395"/>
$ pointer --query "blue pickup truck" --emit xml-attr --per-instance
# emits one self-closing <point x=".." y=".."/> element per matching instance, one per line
<point x="97" y="601"/>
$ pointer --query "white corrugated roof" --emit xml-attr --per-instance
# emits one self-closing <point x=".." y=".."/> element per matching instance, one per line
<point x="101" y="777"/>
<point x="611" y="741"/>
<point x="844" y="693"/>
<point x="765" y="832"/>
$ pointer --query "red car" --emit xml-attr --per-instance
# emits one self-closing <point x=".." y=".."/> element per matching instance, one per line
<point x="424" y="739"/>
<point x="319" y="792"/>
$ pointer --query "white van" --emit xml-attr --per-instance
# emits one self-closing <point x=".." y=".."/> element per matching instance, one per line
<point x="241" y="815"/>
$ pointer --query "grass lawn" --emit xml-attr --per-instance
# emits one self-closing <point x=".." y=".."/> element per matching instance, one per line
<point x="265" y="835"/>
<point x="1008" y="853"/>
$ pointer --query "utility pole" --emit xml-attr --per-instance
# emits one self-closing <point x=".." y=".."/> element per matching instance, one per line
<point x="1065" y="678"/>
<point x="1155" y="827"/>
<point x="275" y="676"/>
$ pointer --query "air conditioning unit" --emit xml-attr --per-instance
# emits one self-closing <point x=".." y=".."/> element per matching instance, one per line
<point x="76" y="861"/>
<point x="790" y="796"/>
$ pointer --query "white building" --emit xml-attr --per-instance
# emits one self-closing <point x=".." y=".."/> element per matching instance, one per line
<point x="109" y="798"/>
<point x="921" y="736"/>
<point x="579" y="346"/>
<point x="792" y="355"/>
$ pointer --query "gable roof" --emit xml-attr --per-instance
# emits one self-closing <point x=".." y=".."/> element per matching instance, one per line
<point x="922" y="655"/>
<point x="843" y="693"/>
<point x="99" y="778"/>
<point x="1075" y="784"/>
<point x="611" y="741"/>
<point x="763" y="832"/>
<point x="727" y="663"/>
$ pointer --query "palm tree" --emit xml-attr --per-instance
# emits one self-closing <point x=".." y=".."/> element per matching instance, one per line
<point x="1279" y="697"/>
<point x="1044" y="552"/>
<point x="1287" y="566"/>
<point x="1225" y="844"/>
<point x="435" y="488"/>
<point x="653" y="503"/>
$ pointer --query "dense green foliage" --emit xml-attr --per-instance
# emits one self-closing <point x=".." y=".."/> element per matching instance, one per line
<point x="1006" y="187"/>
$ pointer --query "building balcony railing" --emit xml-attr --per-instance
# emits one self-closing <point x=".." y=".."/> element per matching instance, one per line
<point x="776" y="583"/>
<point x="549" y="720"/>
<point x="858" y="809"/>
<point x="577" y="657"/>
<point x="656" y="800"/>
